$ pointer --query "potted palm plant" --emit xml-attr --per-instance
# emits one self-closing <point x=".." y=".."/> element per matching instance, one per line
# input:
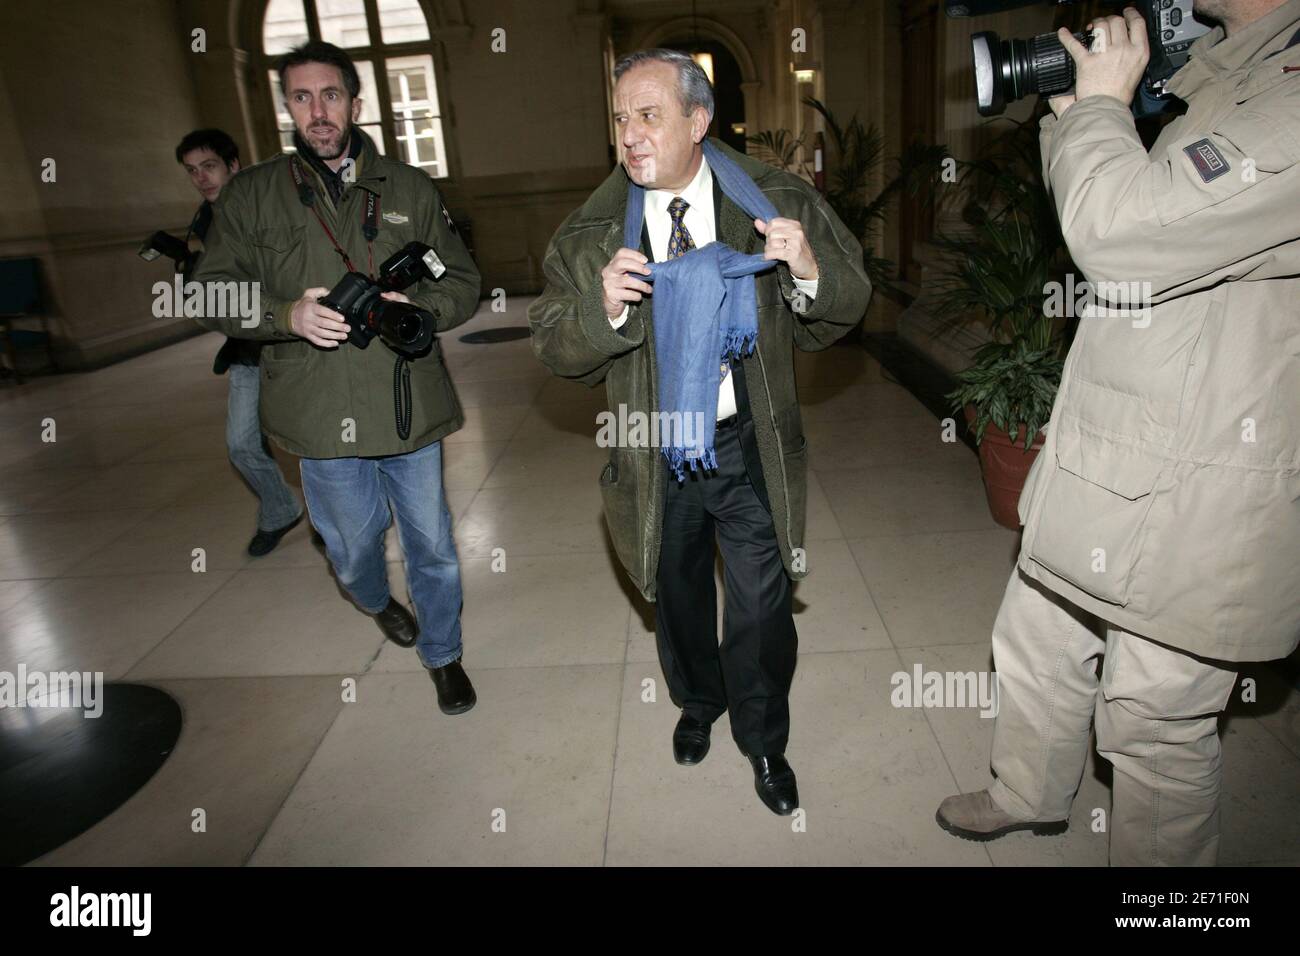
<point x="854" y="151"/>
<point x="998" y="271"/>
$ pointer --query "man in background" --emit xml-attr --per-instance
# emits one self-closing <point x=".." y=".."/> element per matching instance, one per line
<point x="211" y="157"/>
<point x="366" y="422"/>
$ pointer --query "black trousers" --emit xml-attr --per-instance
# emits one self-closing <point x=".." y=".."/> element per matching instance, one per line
<point x="749" y="674"/>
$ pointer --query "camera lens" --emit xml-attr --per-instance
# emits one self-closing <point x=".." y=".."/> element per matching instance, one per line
<point x="404" y="327"/>
<point x="409" y="328"/>
<point x="1009" y="70"/>
<point x="986" y="51"/>
<point x="1049" y="68"/>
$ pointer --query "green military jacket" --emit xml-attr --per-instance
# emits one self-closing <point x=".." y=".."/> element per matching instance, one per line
<point x="574" y="338"/>
<point x="337" y="403"/>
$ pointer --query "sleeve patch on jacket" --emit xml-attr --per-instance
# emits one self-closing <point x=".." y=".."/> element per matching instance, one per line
<point x="1209" y="162"/>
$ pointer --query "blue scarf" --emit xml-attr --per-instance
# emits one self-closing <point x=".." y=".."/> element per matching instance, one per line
<point x="705" y="313"/>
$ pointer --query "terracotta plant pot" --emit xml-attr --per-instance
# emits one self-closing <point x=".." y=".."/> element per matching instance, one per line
<point x="1005" y="465"/>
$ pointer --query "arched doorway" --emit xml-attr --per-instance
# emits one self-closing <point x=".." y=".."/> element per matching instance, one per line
<point x="735" y="77"/>
<point x="729" y="101"/>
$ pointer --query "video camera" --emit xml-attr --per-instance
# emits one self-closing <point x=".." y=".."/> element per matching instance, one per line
<point x="403" y="327"/>
<point x="1009" y="70"/>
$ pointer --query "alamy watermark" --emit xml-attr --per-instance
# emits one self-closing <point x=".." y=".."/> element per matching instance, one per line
<point x="639" y="429"/>
<point x="922" y="688"/>
<point x="1099" y="300"/>
<point x="75" y="908"/>
<point x="68" y="689"/>
<point x="209" y="300"/>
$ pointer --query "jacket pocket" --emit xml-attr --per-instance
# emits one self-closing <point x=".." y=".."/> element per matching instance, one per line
<point x="277" y="238"/>
<point x="285" y="369"/>
<point x="1092" y="515"/>
<point x="432" y="391"/>
<point x="280" y="254"/>
<point x="1266" y="142"/>
<point x="1241" y="150"/>
<point x="282" y="354"/>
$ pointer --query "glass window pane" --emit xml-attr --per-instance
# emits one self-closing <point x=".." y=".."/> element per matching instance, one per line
<point x="283" y="121"/>
<point x="369" y="94"/>
<point x="418" y="139"/>
<point x="284" y="27"/>
<point x="401" y="21"/>
<point x="417" y="125"/>
<point x="376" y="133"/>
<point x="343" y="22"/>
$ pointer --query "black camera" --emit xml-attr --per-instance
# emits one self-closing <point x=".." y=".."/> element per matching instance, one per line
<point x="1008" y="70"/>
<point x="403" y="327"/>
<point x="165" y="244"/>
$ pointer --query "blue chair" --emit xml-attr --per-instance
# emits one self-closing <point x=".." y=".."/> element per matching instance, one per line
<point x="20" y="298"/>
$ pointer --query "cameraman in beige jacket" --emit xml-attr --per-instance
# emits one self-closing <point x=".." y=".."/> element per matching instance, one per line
<point x="1162" y="518"/>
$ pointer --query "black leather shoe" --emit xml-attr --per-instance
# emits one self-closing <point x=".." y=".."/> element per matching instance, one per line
<point x="774" y="781"/>
<point x="264" y="542"/>
<point x="397" y="624"/>
<point x="455" y="692"/>
<point x="690" y="740"/>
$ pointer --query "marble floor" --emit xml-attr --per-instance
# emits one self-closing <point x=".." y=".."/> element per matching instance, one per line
<point x="566" y="759"/>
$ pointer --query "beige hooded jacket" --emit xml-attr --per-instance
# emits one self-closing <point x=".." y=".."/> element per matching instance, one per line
<point x="1167" y="497"/>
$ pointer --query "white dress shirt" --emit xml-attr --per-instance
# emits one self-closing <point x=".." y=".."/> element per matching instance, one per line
<point x="699" y="222"/>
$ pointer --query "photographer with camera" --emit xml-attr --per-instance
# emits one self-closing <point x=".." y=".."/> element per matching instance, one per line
<point x="211" y="158"/>
<point x="1162" y="517"/>
<point x="367" y="418"/>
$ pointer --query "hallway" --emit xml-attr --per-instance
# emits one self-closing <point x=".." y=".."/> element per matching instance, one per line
<point x="562" y="761"/>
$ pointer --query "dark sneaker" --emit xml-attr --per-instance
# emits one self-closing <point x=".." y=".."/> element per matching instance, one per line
<point x="264" y="542"/>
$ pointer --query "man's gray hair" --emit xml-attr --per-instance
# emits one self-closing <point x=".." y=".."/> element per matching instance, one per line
<point x="693" y="86"/>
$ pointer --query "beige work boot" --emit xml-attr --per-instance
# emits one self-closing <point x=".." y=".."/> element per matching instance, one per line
<point x="974" y="816"/>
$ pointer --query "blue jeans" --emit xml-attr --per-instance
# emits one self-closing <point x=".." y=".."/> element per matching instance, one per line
<point x="352" y="502"/>
<point x="277" y="506"/>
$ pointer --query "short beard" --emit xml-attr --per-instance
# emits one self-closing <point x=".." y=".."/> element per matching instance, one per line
<point x="343" y="140"/>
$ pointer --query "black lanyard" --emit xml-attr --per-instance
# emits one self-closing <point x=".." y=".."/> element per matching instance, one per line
<point x="369" y="217"/>
<point x="402" y="406"/>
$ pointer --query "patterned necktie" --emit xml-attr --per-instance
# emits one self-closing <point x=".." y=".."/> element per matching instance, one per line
<point x="680" y="243"/>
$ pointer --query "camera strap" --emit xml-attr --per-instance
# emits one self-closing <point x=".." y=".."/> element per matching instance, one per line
<point x="369" y="217"/>
<point x="402" y="406"/>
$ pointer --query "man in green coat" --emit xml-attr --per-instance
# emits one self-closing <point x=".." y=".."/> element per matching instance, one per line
<point x="291" y="227"/>
<point x="211" y="158"/>
<point x="596" y="320"/>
